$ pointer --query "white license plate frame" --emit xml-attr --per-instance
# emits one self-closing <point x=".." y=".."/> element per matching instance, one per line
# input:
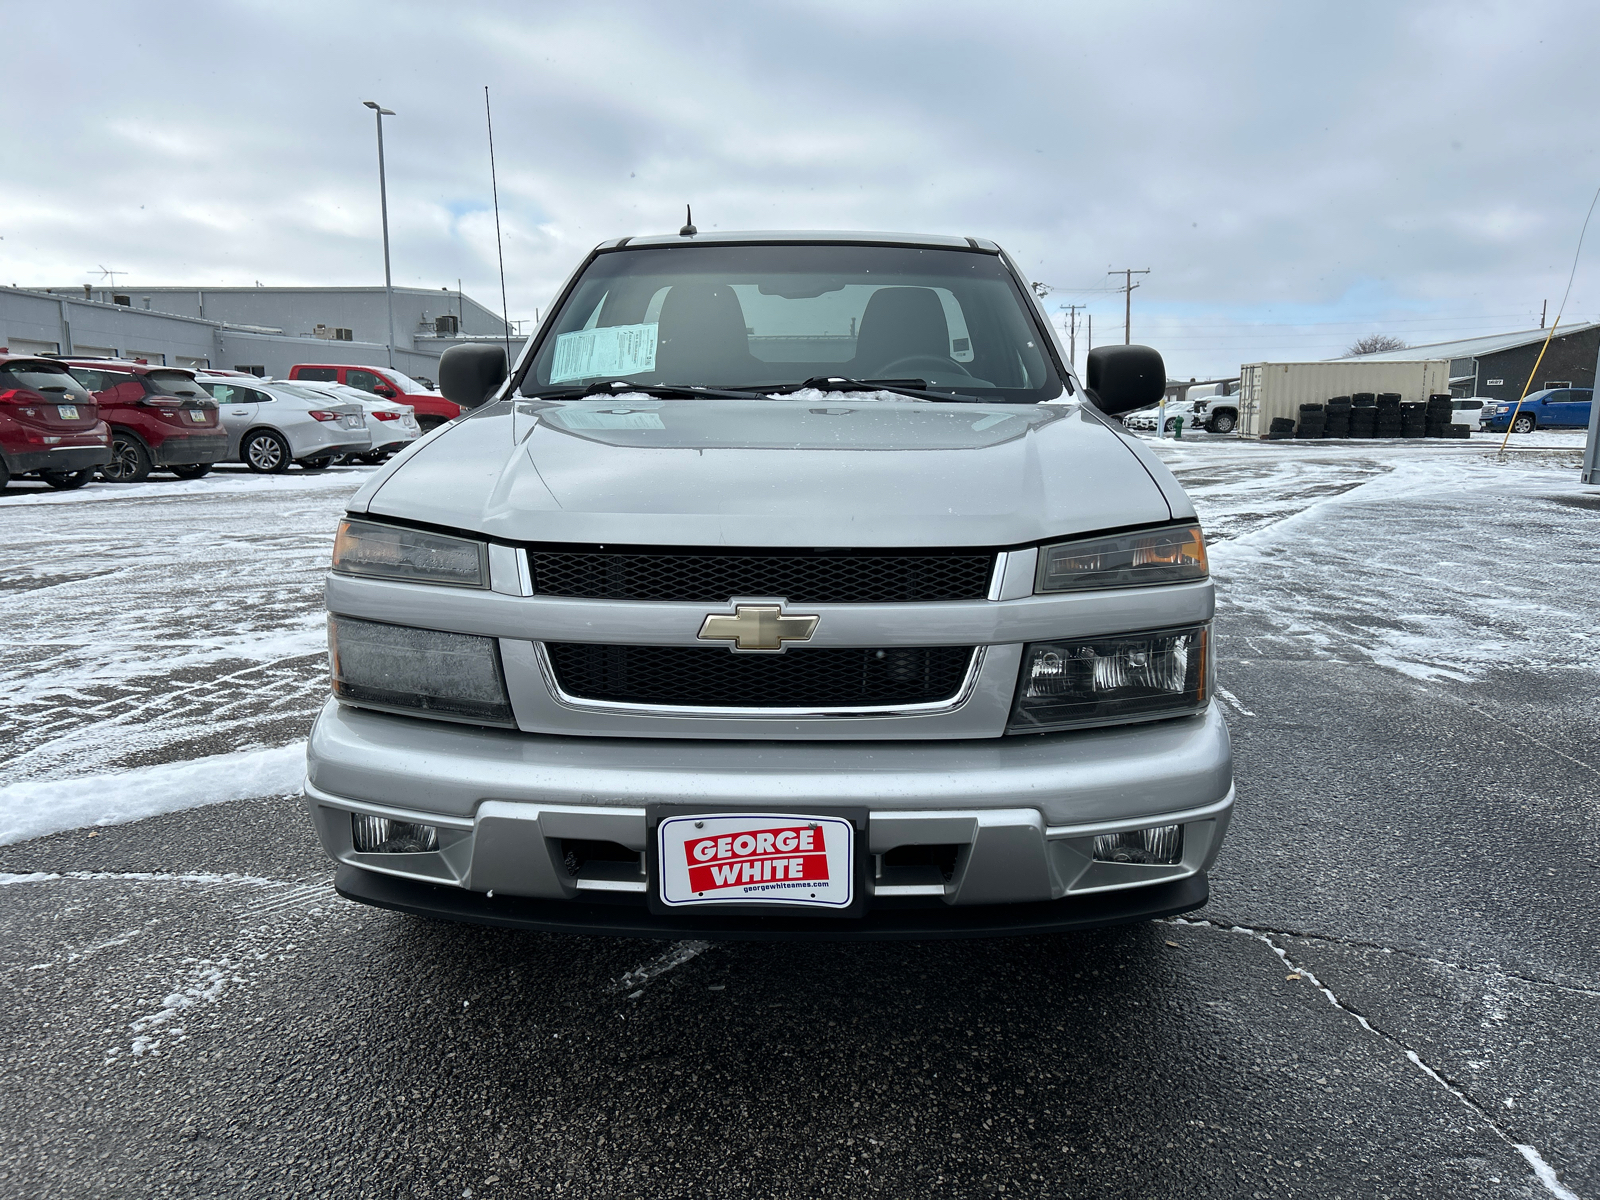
<point x="718" y="859"/>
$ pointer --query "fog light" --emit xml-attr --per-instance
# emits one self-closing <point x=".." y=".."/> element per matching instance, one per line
<point x="380" y="835"/>
<point x="1158" y="844"/>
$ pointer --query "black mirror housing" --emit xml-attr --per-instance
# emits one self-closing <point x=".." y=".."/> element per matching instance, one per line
<point x="469" y="375"/>
<point x="1124" y="378"/>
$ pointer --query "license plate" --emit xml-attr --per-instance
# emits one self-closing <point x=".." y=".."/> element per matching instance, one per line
<point x="776" y="859"/>
<point x="69" y="412"/>
<point x="198" y="416"/>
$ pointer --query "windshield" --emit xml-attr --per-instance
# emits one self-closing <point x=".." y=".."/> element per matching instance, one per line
<point x="774" y="316"/>
<point x="41" y="377"/>
<point x="405" y="382"/>
<point x="175" y="383"/>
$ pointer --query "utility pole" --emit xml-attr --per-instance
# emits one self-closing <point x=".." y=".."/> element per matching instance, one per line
<point x="1072" y="331"/>
<point x="1091" y="333"/>
<point x="1127" y="312"/>
<point x="383" y="200"/>
<point x="1543" y="305"/>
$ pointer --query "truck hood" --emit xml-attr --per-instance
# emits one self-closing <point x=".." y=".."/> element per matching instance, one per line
<point x="788" y="472"/>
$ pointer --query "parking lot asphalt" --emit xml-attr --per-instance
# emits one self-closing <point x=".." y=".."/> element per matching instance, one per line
<point x="1394" y="991"/>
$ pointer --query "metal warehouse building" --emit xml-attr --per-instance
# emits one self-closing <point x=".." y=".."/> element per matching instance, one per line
<point x="265" y="330"/>
<point x="1499" y="366"/>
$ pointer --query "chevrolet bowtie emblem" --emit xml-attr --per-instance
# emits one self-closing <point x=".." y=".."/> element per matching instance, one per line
<point x="761" y="627"/>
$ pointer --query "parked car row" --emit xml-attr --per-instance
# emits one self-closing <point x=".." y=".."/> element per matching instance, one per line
<point x="66" y="419"/>
<point x="1214" y="414"/>
<point x="1553" y="408"/>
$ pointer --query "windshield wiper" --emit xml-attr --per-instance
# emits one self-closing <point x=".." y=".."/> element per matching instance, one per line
<point x="917" y="389"/>
<point x="618" y="387"/>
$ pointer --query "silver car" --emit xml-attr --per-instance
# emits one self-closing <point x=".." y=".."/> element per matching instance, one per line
<point x="393" y="425"/>
<point x="271" y="424"/>
<point x="788" y="586"/>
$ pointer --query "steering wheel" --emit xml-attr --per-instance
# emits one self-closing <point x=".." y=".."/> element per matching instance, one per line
<point x="902" y="368"/>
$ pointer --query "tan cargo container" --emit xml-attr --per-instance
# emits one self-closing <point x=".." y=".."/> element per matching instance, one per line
<point x="1268" y="390"/>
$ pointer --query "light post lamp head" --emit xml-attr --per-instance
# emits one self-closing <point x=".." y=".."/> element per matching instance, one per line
<point x="378" y="108"/>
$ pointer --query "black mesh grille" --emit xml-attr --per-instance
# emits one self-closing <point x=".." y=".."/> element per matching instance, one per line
<point x="716" y="678"/>
<point x="799" y="578"/>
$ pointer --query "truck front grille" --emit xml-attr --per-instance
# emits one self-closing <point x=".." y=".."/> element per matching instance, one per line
<point x="713" y="677"/>
<point x="799" y="577"/>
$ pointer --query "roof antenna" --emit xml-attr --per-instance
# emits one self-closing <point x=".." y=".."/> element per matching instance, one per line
<point x="688" y="229"/>
<point x="494" y="183"/>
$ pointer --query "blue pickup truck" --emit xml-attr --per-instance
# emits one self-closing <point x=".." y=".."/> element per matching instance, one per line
<point x="1554" y="408"/>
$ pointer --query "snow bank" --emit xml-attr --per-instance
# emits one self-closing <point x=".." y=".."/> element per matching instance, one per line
<point x="40" y="807"/>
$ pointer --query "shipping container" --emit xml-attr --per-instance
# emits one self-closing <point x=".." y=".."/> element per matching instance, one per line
<point x="1269" y="390"/>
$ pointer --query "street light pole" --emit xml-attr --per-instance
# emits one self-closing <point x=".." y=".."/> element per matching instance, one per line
<point x="383" y="200"/>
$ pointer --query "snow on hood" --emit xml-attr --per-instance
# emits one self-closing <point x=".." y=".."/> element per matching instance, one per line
<point x="829" y="471"/>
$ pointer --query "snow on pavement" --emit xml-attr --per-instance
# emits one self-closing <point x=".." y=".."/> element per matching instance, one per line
<point x="43" y="806"/>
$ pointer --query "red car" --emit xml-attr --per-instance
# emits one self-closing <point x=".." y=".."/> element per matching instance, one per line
<point x="159" y="417"/>
<point x="432" y="409"/>
<point x="49" y="424"/>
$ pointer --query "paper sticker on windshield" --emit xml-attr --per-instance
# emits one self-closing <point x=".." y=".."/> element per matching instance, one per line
<point x="581" y="418"/>
<point x="604" y="352"/>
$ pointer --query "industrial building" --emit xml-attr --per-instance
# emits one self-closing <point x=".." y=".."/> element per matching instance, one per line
<point x="1499" y="366"/>
<point x="265" y="330"/>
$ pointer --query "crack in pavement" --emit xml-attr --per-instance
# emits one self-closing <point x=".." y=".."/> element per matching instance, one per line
<point x="1545" y="1173"/>
<point x="1487" y="968"/>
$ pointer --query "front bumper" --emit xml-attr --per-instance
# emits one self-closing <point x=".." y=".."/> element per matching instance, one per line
<point x="1021" y="812"/>
<point x="892" y="920"/>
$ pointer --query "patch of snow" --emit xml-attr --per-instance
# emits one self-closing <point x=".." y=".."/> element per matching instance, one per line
<point x="1545" y="1172"/>
<point x="207" y="979"/>
<point x="40" y="807"/>
<point x="680" y="953"/>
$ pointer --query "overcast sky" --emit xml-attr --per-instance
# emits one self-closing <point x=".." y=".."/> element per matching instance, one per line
<point x="1292" y="174"/>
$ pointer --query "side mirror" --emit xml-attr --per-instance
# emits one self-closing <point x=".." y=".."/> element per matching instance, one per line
<point x="1123" y="378"/>
<point x="469" y="374"/>
<point x="384" y="390"/>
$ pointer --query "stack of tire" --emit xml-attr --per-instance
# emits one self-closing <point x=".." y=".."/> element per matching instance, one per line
<point x="1313" y="421"/>
<point x="1363" y="415"/>
<point x="1336" y="421"/>
<point x="1387" y="424"/>
<point x="1282" y="427"/>
<point x="1414" y="419"/>
<point x="1439" y="422"/>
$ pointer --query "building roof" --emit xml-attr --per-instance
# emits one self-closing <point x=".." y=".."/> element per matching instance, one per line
<point x="1469" y="347"/>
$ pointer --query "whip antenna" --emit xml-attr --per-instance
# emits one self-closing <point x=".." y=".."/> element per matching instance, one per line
<point x="494" y="184"/>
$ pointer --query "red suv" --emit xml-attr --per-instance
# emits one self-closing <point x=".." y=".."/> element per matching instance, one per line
<point x="432" y="409"/>
<point x="49" y="424"/>
<point x="159" y="417"/>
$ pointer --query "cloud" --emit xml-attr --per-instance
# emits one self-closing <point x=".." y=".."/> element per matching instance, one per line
<point x="1283" y="169"/>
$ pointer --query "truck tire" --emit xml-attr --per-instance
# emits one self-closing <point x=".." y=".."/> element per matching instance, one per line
<point x="130" y="461"/>
<point x="5" y="474"/>
<point x="315" y="465"/>
<point x="1221" y="422"/>
<point x="192" y="470"/>
<point x="1523" y="424"/>
<point x="265" y="452"/>
<point x="429" y="424"/>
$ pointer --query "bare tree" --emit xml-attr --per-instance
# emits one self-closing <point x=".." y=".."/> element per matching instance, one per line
<point x="1375" y="343"/>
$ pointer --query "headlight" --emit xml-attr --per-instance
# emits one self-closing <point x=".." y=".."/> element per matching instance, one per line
<point x="1104" y="681"/>
<point x="410" y="555"/>
<point x="455" y="676"/>
<point x="1176" y="554"/>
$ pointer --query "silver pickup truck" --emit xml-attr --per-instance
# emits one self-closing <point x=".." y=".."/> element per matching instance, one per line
<point x="789" y="585"/>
